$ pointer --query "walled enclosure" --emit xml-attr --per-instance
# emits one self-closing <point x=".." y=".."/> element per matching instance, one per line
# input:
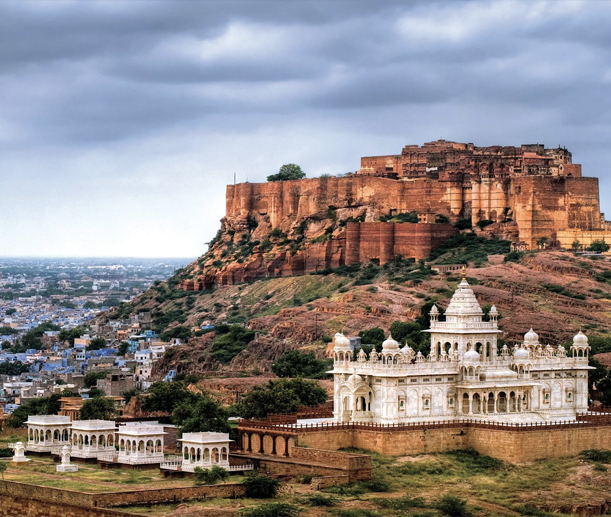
<point x="507" y="445"/>
<point x="83" y="504"/>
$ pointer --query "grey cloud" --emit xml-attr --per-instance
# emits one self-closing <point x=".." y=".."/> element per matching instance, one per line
<point x="142" y="90"/>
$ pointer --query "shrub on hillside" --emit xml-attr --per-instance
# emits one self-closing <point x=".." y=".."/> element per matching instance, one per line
<point x="261" y="487"/>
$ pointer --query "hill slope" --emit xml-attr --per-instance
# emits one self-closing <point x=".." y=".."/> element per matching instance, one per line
<point x="554" y="292"/>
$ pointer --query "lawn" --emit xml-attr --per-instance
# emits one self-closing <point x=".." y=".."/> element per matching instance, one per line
<point x="460" y="483"/>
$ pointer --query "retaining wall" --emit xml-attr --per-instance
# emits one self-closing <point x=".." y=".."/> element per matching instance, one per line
<point x="59" y="496"/>
<point x="508" y="445"/>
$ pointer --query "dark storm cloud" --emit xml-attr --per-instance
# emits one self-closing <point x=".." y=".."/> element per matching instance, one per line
<point x="160" y="98"/>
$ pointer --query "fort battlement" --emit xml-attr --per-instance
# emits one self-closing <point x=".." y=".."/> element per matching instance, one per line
<point x="285" y="228"/>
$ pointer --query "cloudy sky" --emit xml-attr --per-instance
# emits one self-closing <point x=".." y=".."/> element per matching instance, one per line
<point x="122" y="121"/>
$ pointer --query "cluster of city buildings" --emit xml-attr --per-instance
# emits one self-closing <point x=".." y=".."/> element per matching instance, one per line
<point x="62" y="368"/>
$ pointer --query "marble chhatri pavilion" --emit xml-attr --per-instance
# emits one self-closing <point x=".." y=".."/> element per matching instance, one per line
<point x="465" y="374"/>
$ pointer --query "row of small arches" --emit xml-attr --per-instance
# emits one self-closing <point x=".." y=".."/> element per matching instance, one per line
<point x="196" y="455"/>
<point x="47" y="436"/>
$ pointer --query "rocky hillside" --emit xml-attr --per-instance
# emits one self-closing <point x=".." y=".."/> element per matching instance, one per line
<point x="554" y="292"/>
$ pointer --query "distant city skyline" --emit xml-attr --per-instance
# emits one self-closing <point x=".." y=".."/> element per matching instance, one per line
<point x="121" y="122"/>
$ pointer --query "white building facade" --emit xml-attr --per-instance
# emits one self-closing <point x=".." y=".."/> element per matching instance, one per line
<point x="465" y="374"/>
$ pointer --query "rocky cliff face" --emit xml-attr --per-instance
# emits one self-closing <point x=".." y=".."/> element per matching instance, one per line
<point x="291" y="228"/>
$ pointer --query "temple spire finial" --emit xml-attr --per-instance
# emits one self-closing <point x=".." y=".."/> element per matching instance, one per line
<point x="464" y="271"/>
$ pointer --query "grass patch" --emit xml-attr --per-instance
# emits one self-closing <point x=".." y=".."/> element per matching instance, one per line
<point x="598" y="455"/>
<point x="399" y="503"/>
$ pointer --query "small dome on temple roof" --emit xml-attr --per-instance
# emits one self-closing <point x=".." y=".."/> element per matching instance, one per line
<point x="471" y="355"/>
<point x="390" y="344"/>
<point x="531" y="336"/>
<point x="521" y="353"/>
<point x="493" y="310"/>
<point x="434" y="309"/>
<point x="580" y="339"/>
<point x="341" y="342"/>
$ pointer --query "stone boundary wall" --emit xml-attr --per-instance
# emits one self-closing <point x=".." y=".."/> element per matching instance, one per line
<point x="337" y="459"/>
<point x="318" y="483"/>
<point x="60" y="496"/>
<point x="20" y="507"/>
<point x="508" y="445"/>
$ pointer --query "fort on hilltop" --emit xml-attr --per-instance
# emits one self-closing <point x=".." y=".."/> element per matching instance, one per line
<point x="404" y="204"/>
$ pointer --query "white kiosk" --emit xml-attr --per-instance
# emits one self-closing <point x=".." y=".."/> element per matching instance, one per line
<point x="90" y="438"/>
<point x="48" y="433"/>
<point x="205" y="450"/>
<point x="140" y="443"/>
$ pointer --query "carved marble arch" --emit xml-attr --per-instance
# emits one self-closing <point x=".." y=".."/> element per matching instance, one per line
<point x="362" y="399"/>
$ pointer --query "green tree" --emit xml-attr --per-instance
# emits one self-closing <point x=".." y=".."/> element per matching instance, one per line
<point x="90" y="305"/>
<point x="542" y="242"/>
<point x="123" y="348"/>
<point x="288" y="171"/>
<point x="111" y="302"/>
<point x="210" y="476"/>
<point x="201" y="413"/>
<point x="97" y="343"/>
<point x="42" y="406"/>
<point x="599" y="246"/>
<point x="98" y="408"/>
<point x="402" y="331"/>
<point x="374" y="336"/>
<point x="261" y="487"/>
<point x="576" y="245"/>
<point x="70" y="335"/>
<point x="3" y="467"/>
<point x="8" y="331"/>
<point x="91" y="378"/>
<point x="300" y="364"/>
<point x="281" y="396"/>
<point x="10" y="312"/>
<point x="166" y="396"/>
<point x="15" y="368"/>
<point x="463" y="224"/>
<point x="130" y="394"/>
<point x="31" y="338"/>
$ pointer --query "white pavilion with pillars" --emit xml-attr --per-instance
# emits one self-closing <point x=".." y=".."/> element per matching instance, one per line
<point x="205" y="450"/>
<point x="140" y="443"/>
<point x="465" y="375"/>
<point x="48" y="433"/>
<point x="90" y="438"/>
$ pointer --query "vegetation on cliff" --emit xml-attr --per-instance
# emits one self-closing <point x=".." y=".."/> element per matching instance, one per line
<point x="288" y="171"/>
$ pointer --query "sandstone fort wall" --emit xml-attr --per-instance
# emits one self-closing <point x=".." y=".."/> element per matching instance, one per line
<point x="541" y="205"/>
